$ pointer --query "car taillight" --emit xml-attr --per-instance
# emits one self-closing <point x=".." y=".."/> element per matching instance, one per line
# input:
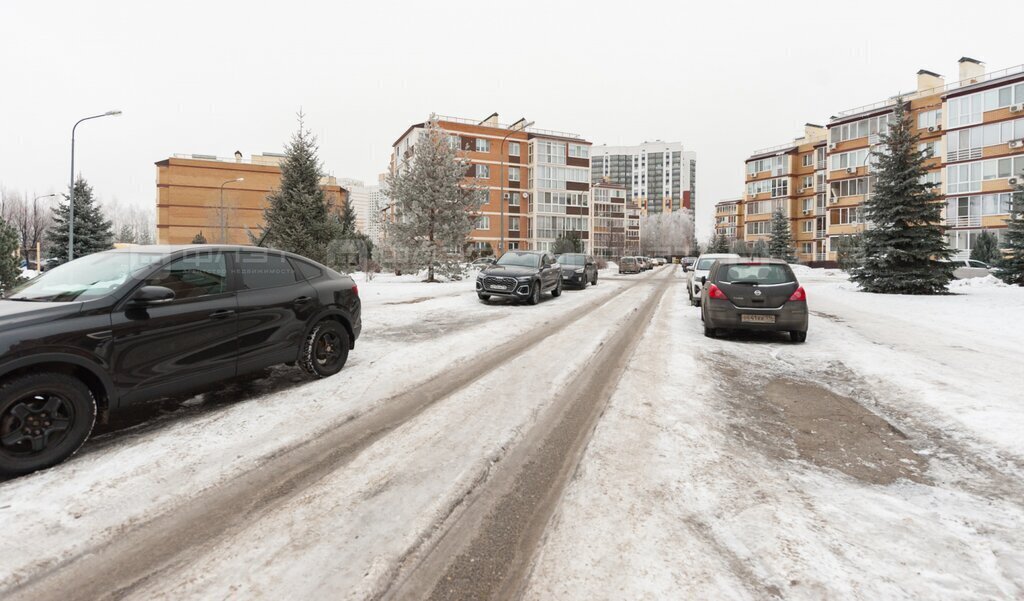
<point x="716" y="292"/>
<point x="355" y="290"/>
<point x="799" y="295"/>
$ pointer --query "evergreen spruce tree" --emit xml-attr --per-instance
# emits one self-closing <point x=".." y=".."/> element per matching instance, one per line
<point x="1012" y="266"/>
<point x="568" y="243"/>
<point x="986" y="248"/>
<point x="298" y="214"/>
<point x="126" y="234"/>
<point x="347" y="219"/>
<point x="435" y="207"/>
<point x="719" y="244"/>
<point x="905" y="240"/>
<point x="780" y="241"/>
<point x="93" y="231"/>
<point x="199" y="239"/>
<point x="10" y="272"/>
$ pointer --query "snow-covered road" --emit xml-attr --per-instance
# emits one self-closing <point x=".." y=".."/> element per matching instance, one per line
<point x="453" y="458"/>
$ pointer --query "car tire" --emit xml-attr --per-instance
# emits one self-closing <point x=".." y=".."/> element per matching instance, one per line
<point x="797" y="336"/>
<point x="709" y="332"/>
<point x="325" y="349"/>
<point x="594" y="281"/>
<point x="33" y="400"/>
<point x="558" y="289"/>
<point x="534" y="294"/>
<point x="483" y="297"/>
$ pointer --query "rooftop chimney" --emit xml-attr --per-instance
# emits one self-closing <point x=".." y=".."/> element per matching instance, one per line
<point x="927" y="80"/>
<point x="971" y="68"/>
<point x="814" y="132"/>
<point x="238" y="156"/>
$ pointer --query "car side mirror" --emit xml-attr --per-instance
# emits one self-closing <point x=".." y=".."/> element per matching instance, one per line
<point x="152" y="295"/>
<point x="703" y="279"/>
<point x="685" y="269"/>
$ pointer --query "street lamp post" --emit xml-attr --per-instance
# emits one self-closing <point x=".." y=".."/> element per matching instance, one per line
<point x="71" y="191"/>
<point x="222" y="217"/>
<point x="502" y="183"/>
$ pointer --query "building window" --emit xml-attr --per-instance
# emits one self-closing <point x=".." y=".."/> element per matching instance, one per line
<point x="513" y="246"/>
<point x="483" y="171"/>
<point x="513" y="224"/>
<point x="929" y="119"/>
<point x="757" y="228"/>
<point x="852" y="187"/>
<point x="930" y="149"/>
<point x="859" y="129"/>
<point x="808" y="182"/>
<point x="807" y="160"/>
<point x="483" y="222"/>
<point x="513" y="149"/>
<point x="807" y="248"/>
<point x="808" y="225"/>
<point x="483" y="145"/>
<point x="513" y="199"/>
<point x="579" y="151"/>
<point x="513" y="174"/>
<point x="454" y="142"/>
<point x="845" y="216"/>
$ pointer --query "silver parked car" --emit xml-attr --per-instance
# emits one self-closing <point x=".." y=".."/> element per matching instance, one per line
<point x="753" y="294"/>
<point x="969" y="268"/>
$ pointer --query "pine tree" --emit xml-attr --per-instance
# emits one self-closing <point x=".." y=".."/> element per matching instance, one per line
<point x="93" y="231"/>
<point x="780" y="242"/>
<point x="718" y="244"/>
<point x="347" y="219"/>
<point x="10" y="272"/>
<point x="435" y="208"/>
<point x="298" y="214"/>
<point x="904" y="242"/>
<point x="1012" y="266"/>
<point x="568" y="243"/>
<point x="199" y="239"/>
<point x="126" y="234"/>
<point x="986" y="248"/>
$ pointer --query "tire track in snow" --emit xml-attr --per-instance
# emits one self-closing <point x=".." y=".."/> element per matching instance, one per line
<point x="486" y="548"/>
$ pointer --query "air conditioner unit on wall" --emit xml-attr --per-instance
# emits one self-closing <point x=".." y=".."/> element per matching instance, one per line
<point x="1016" y="144"/>
<point x="935" y="128"/>
<point x="806" y="212"/>
<point x="506" y="196"/>
<point x="1016" y="108"/>
<point x="1013" y="181"/>
<point x="851" y="170"/>
<point x="833" y="146"/>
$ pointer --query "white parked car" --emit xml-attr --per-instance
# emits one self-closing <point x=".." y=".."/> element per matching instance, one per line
<point x="700" y="269"/>
<point x="969" y="268"/>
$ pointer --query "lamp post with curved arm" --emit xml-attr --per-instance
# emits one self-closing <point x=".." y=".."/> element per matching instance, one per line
<point x="503" y="183"/>
<point x="71" y="191"/>
<point x="222" y="218"/>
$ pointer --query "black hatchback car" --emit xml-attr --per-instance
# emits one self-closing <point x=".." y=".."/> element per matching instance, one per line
<point x="578" y="269"/>
<point x="753" y="294"/>
<point x="125" y="326"/>
<point x="520" y="275"/>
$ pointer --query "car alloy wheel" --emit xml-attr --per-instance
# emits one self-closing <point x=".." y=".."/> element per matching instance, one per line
<point x="44" y="419"/>
<point x="325" y="349"/>
<point x="558" y="289"/>
<point x="534" y="294"/>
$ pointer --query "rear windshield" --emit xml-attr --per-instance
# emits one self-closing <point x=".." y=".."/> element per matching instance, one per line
<point x="626" y="260"/>
<point x="572" y="260"/>
<point x="755" y="273"/>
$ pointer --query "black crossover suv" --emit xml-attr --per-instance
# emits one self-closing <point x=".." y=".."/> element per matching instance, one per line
<point x="125" y="326"/>
<point x="520" y="275"/>
<point x="578" y="269"/>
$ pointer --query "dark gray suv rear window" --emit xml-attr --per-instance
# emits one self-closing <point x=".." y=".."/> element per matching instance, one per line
<point x="755" y="273"/>
<point x="264" y="270"/>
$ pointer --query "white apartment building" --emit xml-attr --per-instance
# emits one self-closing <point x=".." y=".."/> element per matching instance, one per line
<point x="661" y="176"/>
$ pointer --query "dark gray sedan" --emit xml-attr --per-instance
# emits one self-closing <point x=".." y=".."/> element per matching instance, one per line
<point x="753" y="294"/>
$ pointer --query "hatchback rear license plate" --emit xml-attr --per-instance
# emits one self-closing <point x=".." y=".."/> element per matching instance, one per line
<point x="501" y="287"/>
<point x="757" y="318"/>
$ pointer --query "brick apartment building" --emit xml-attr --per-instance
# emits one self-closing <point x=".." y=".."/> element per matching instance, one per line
<point x="973" y="129"/>
<point x="537" y="181"/>
<point x="221" y="198"/>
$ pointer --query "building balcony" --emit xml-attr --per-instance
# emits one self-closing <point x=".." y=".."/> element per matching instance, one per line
<point x="820" y="234"/>
<point x="968" y="221"/>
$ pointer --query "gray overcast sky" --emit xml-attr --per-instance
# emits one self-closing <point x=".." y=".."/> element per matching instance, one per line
<point x="724" y="78"/>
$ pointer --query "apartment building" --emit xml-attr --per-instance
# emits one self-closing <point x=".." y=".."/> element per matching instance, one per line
<point x="367" y="203"/>
<point x="610" y="204"/>
<point x="661" y="176"/>
<point x="221" y="198"/>
<point x="537" y="181"/>
<point x="972" y="130"/>
<point x="729" y="218"/>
